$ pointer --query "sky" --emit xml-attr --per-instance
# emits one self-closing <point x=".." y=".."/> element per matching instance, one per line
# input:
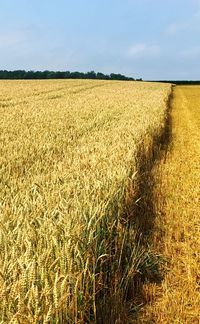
<point x="152" y="39"/>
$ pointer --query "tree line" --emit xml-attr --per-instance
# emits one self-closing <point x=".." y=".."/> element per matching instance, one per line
<point x="180" y="82"/>
<point x="22" y="74"/>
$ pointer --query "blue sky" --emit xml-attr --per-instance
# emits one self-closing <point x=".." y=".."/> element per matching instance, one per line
<point x="152" y="39"/>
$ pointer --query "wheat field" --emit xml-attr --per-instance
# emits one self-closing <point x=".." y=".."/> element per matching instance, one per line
<point x="68" y="166"/>
<point x="177" y="226"/>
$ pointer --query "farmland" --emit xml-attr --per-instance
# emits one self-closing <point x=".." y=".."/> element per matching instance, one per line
<point x="177" y="226"/>
<point x="70" y="162"/>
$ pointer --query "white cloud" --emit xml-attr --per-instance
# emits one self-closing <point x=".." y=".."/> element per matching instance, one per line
<point x="142" y="50"/>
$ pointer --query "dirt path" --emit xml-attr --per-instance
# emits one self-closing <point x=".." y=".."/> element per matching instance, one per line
<point x="177" y="227"/>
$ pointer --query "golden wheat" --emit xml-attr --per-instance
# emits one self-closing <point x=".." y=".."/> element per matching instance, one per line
<point x="68" y="151"/>
<point x="177" y="233"/>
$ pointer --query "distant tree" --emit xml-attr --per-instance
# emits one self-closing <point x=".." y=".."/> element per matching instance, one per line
<point x="118" y="76"/>
<point x="75" y="75"/>
<point x="22" y="74"/>
<point x="101" y="76"/>
<point x="91" y="75"/>
<point x="67" y="74"/>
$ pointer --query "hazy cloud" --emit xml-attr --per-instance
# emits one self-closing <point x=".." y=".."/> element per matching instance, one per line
<point x="190" y="53"/>
<point x="176" y="27"/>
<point x="142" y="50"/>
<point x="15" y="37"/>
<point x="12" y="38"/>
<point x="190" y="24"/>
